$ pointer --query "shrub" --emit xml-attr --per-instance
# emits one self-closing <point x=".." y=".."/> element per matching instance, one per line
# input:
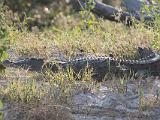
<point x="4" y="42"/>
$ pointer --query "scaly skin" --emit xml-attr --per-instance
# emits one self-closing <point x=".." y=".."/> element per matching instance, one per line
<point x="100" y="65"/>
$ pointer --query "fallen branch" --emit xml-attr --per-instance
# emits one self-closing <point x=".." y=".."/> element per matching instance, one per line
<point x="109" y="12"/>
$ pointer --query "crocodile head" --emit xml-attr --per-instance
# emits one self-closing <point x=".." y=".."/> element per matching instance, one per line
<point x="145" y="52"/>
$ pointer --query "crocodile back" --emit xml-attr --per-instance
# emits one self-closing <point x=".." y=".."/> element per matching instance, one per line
<point x="100" y="66"/>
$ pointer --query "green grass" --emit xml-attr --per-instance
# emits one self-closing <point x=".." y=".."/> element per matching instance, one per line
<point x="1" y="107"/>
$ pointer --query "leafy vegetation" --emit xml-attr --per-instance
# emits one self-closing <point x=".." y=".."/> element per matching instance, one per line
<point x="4" y="41"/>
<point x="1" y="107"/>
<point x="70" y="36"/>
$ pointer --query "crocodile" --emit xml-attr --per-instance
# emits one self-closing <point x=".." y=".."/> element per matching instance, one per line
<point x="100" y="65"/>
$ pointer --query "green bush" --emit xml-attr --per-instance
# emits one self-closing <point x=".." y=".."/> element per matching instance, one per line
<point x="41" y="13"/>
<point x="4" y="42"/>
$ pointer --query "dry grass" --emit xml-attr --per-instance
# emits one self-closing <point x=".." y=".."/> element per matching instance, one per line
<point x="34" y="96"/>
<point x="102" y="38"/>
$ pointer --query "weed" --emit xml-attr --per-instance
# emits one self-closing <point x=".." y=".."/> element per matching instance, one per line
<point x="123" y="84"/>
<point x="88" y="19"/>
<point x="1" y="107"/>
<point x="141" y="98"/>
<point x="21" y="86"/>
<point x="4" y="41"/>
